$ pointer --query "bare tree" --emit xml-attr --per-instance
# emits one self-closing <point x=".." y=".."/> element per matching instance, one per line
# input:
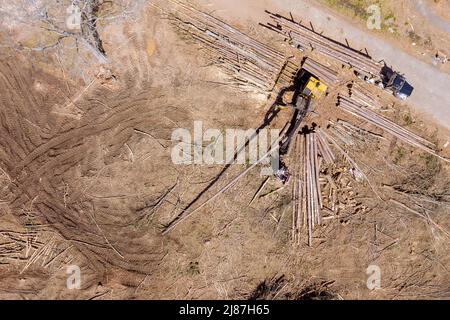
<point x="58" y="20"/>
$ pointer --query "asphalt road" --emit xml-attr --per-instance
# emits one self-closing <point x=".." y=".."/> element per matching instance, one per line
<point x="431" y="96"/>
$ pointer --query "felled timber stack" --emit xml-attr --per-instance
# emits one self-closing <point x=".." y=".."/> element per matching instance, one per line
<point x="306" y="190"/>
<point x="350" y="134"/>
<point x="321" y="193"/>
<point x="287" y="75"/>
<point x="249" y="62"/>
<point x="325" y="150"/>
<point x="298" y="208"/>
<point x="324" y="73"/>
<point x="341" y="134"/>
<point x="361" y="95"/>
<point x="304" y="38"/>
<point x="353" y="107"/>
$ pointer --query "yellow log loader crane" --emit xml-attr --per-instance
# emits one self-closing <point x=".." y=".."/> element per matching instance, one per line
<point x="307" y="89"/>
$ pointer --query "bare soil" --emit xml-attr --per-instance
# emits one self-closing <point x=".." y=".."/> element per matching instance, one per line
<point x="85" y="158"/>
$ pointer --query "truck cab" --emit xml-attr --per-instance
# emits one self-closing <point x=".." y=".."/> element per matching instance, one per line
<point x="396" y="83"/>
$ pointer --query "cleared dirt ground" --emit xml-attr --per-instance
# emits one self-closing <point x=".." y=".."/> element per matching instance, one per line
<point x="85" y="160"/>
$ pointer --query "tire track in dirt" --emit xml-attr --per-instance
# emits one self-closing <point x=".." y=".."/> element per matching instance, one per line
<point x="86" y="129"/>
<point x="38" y="165"/>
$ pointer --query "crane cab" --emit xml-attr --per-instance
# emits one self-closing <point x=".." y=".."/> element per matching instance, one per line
<point x="314" y="88"/>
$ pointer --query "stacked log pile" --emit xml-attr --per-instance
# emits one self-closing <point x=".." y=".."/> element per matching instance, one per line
<point x="324" y="73"/>
<point x="249" y="62"/>
<point x="341" y="134"/>
<point x="325" y="150"/>
<point x="321" y="190"/>
<point x="353" y="107"/>
<point x="303" y="38"/>
<point x="350" y="134"/>
<point x="307" y="194"/>
<point x="287" y="75"/>
<point x="364" y="97"/>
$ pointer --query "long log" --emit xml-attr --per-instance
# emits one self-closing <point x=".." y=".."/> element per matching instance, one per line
<point x="388" y="126"/>
<point x="321" y="71"/>
<point x="308" y="38"/>
<point x="246" y="59"/>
